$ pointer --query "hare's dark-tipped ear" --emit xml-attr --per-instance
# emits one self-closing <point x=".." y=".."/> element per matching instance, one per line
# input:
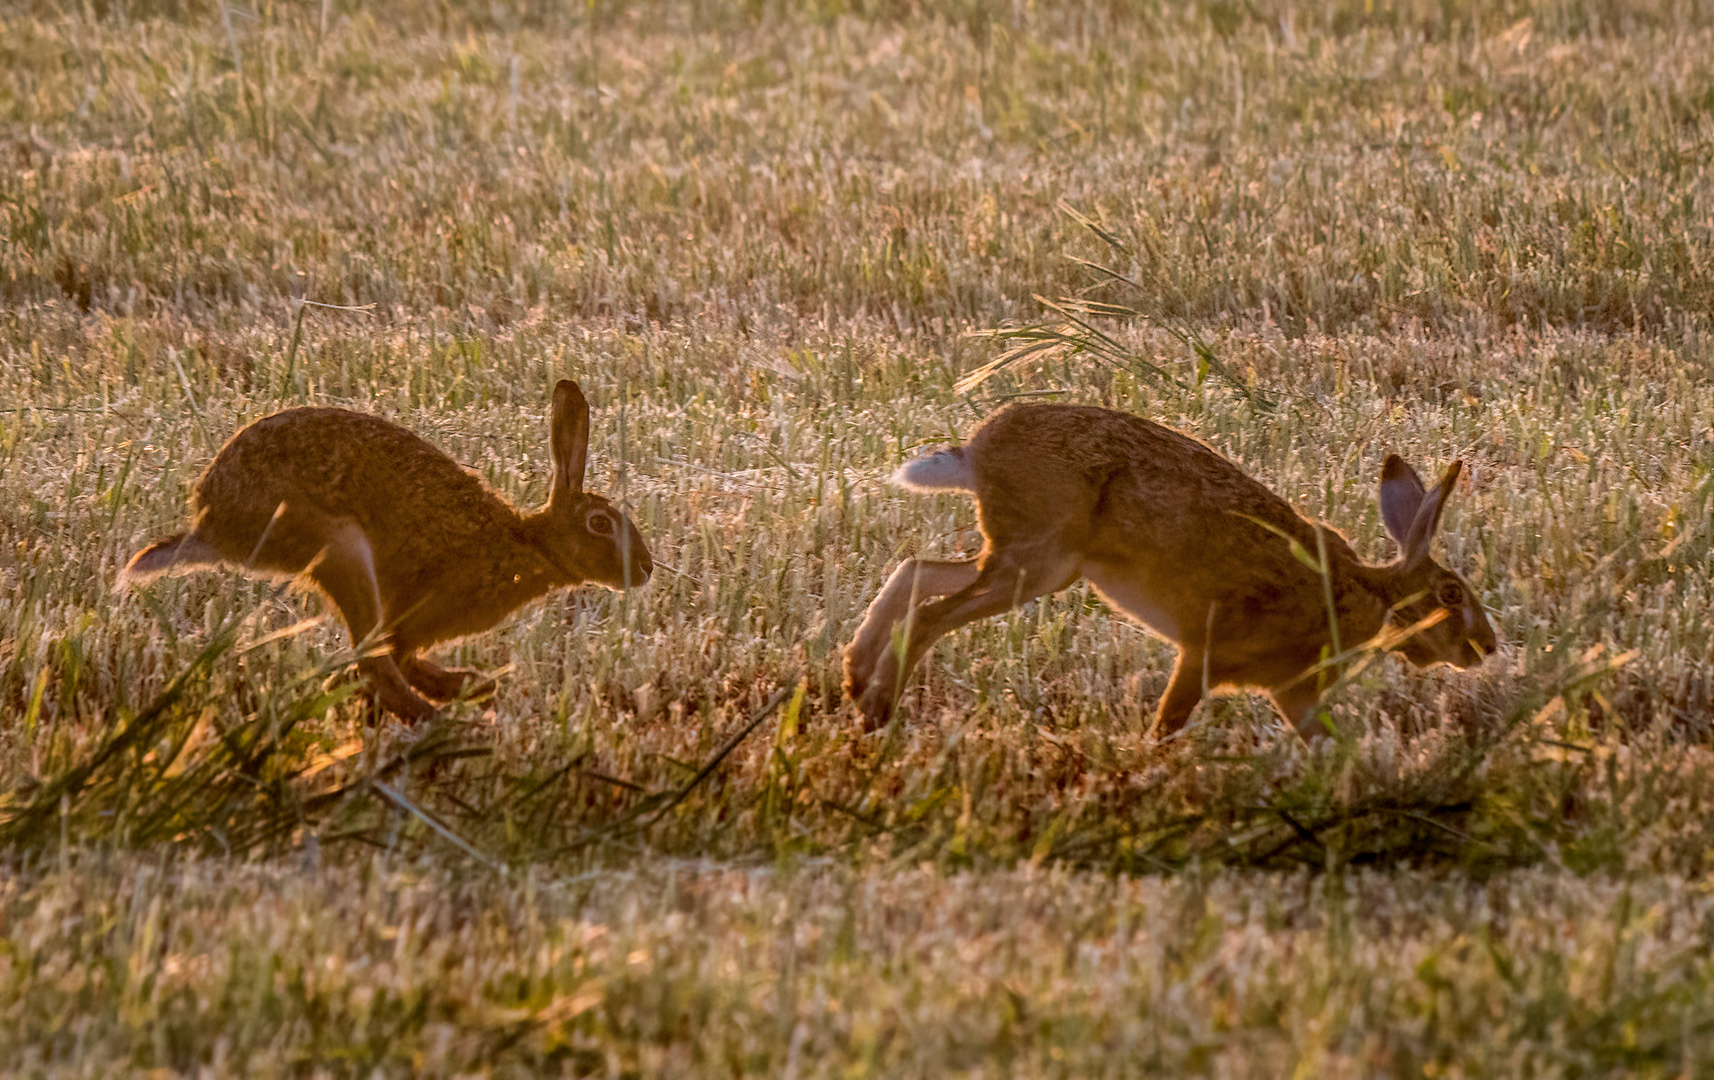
<point x="1428" y="515"/>
<point x="1411" y="513"/>
<point x="570" y="438"/>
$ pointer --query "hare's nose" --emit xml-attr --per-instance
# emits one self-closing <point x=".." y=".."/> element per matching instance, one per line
<point x="641" y="566"/>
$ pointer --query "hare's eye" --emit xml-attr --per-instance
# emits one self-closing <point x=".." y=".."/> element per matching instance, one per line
<point x="599" y="522"/>
<point x="1451" y="594"/>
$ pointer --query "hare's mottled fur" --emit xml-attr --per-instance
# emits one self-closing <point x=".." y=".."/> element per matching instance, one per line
<point x="1175" y="536"/>
<point x="412" y="548"/>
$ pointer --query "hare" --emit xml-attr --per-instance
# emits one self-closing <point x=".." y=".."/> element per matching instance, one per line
<point x="1181" y="540"/>
<point x="412" y="549"/>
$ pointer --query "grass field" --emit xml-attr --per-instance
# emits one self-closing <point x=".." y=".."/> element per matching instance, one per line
<point x="775" y="242"/>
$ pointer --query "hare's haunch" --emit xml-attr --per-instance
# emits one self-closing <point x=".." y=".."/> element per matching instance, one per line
<point x="411" y="548"/>
<point x="1178" y="538"/>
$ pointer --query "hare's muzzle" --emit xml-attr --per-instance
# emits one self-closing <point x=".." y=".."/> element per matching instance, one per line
<point x="1478" y="645"/>
<point x="636" y="566"/>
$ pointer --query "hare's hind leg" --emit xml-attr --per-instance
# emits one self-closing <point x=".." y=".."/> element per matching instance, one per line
<point x="345" y="570"/>
<point x="1002" y="582"/>
<point x="913" y="580"/>
<point x="443" y="684"/>
<point x="181" y="551"/>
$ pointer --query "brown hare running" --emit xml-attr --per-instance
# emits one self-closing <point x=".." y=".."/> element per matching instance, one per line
<point x="1175" y="536"/>
<point x="411" y="548"/>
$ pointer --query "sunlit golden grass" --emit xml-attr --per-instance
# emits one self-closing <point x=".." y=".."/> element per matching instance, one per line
<point x="770" y="243"/>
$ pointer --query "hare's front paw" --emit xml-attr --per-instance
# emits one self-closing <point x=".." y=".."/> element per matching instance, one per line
<point x="403" y="704"/>
<point x="391" y="691"/>
<point x="444" y="684"/>
<point x="479" y="687"/>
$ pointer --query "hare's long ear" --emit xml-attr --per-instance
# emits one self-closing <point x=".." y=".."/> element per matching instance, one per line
<point x="1401" y="497"/>
<point x="1428" y="515"/>
<point x="570" y="439"/>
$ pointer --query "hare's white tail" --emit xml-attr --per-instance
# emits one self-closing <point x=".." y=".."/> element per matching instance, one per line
<point x="943" y="470"/>
<point x="180" y="552"/>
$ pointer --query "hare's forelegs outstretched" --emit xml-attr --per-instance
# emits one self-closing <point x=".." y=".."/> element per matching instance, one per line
<point x="1002" y="582"/>
<point x="345" y="570"/>
<point x="1183" y="691"/>
<point x="1295" y="700"/>
<point x="443" y="684"/>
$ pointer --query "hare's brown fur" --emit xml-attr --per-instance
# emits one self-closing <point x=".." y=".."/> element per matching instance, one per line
<point x="410" y="546"/>
<point x="1174" y="535"/>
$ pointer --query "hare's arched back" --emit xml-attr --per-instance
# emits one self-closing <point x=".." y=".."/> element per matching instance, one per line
<point x="412" y="548"/>
<point x="1180" y="539"/>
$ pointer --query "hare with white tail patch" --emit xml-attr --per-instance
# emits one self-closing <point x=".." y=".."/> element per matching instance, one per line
<point x="1181" y="540"/>
<point x="412" y="549"/>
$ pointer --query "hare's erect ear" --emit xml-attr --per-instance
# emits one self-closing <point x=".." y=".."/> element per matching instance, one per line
<point x="1401" y="497"/>
<point x="1428" y="515"/>
<point x="570" y="438"/>
<point x="1412" y="515"/>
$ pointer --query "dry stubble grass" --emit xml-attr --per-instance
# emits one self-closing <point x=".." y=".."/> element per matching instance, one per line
<point x="758" y="238"/>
